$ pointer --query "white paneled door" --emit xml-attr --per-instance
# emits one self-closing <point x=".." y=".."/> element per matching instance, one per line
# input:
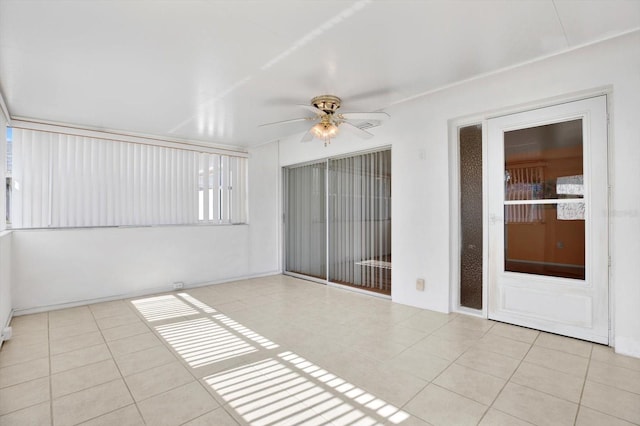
<point x="548" y="219"/>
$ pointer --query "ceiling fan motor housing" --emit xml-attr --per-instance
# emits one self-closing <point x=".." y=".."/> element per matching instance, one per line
<point x="326" y="103"/>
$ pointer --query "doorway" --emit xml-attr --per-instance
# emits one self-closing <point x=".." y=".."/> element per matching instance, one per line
<point x="548" y="219"/>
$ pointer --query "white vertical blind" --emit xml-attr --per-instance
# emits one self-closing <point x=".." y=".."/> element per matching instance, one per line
<point x="238" y="190"/>
<point x="65" y="180"/>
<point x="360" y="221"/>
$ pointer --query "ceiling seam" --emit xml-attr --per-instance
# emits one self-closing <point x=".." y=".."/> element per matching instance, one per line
<point x="564" y="32"/>
<point x="508" y="68"/>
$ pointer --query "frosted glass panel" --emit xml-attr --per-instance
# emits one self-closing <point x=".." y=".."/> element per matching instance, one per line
<point x="306" y="231"/>
<point x="471" y="217"/>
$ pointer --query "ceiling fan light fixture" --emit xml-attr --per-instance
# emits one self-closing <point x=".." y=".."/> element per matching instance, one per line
<point x="327" y="119"/>
<point x="324" y="130"/>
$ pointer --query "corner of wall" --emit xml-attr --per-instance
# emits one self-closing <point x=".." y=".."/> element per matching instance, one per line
<point x="6" y="304"/>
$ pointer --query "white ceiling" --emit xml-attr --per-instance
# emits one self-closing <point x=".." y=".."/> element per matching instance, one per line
<point x="214" y="70"/>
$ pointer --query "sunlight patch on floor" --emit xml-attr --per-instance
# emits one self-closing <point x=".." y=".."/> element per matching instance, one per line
<point x="163" y="307"/>
<point x="246" y="332"/>
<point x="291" y="390"/>
<point x="198" y="304"/>
<point x="201" y="341"/>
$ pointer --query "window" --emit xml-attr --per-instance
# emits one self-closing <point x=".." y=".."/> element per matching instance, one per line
<point x="67" y="180"/>
<point x="8" y="177"/>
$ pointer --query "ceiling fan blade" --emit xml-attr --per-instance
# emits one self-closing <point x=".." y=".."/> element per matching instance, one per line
<point x="356" y="131"/>
<point x="294" y="120"/>
<point x="378" y="116"/>
<point x="308" y="137"/>
<point x="313" y="109"/>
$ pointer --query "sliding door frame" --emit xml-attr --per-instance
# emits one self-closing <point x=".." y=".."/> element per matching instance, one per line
<point x="285" y="201"/>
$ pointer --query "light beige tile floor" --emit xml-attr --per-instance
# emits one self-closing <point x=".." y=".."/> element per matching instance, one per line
<point x="278" y="350"/>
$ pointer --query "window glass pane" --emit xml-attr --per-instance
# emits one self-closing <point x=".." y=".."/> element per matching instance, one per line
<point x="201" y="188"/>
<point x="360" y="221"/>
<point x="553" y="246"/>
<point x="544" y="162"/>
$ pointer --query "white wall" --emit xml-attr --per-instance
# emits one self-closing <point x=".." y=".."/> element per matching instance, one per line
<point x="418" y="134"/>
<point x="65" y="266"/>
<point x="52" y="267"/>
<point x="264" y="210"/>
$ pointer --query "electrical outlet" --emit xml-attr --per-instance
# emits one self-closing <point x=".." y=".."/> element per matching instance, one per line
<point x="178" y="286"/>
<point x="420" y="284"/>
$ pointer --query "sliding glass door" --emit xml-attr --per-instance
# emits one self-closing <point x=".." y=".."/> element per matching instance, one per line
<point x="358" y="191"/>
<point x="305" y="220"/>
<point x="360" y="221"/>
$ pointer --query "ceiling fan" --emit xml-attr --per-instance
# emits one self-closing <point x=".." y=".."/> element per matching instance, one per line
<point x="328" y="121"/>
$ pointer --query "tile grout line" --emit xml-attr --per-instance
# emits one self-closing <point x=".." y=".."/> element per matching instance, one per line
<point x="425" y="337"/>
<point x="48" y="376"/>
<point x="602" y="384"/>
<point x="50" y="371"/>
<point x="445" y="369"/>
<point x="312" y="380"/>
<point x="135" y="403"/>
<point x="191" y="370"/>
<point x="457" y="358"/>
<point x="584" y="382"/>
<point x="177" y="357"/>
<point x="507" y="381"/>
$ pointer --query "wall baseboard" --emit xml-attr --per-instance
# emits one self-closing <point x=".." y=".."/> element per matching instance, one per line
<point x="627" y="346"/>
<point x="6" y="324"/>
<point x="145" y="292"/>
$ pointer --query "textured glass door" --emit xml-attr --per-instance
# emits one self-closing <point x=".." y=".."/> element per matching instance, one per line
<point x="548" y="224"/>
<point x="471" y="259"/>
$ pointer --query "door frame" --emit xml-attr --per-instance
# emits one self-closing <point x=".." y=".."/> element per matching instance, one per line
<point x="455" y="233"/>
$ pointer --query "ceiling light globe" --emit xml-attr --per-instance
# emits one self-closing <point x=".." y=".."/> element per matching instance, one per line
<point x="324" y="130"/>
